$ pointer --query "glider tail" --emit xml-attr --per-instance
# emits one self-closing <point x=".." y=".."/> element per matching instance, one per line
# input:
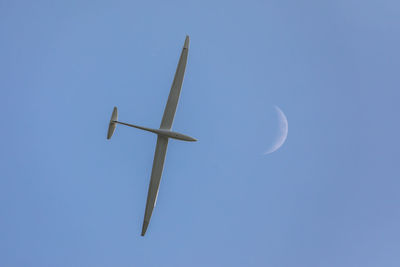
<point x="112" y="124"/>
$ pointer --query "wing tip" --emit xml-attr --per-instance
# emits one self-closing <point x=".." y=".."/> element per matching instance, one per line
<point x="144" y="228"/>
<point x="187" y="40"/>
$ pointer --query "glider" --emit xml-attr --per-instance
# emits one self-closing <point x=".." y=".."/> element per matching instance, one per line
<point x="163" y="134"/>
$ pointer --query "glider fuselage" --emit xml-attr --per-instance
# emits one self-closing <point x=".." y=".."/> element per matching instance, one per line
<point x="163" y="132"/>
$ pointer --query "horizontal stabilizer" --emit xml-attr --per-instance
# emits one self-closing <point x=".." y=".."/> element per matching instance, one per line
<point x="112" y="125"/>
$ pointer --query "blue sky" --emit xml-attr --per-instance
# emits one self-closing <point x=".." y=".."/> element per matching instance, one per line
<point x="328" y="197"/>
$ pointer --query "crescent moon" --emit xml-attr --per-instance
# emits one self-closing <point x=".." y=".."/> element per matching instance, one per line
<point x="283" y="132"/>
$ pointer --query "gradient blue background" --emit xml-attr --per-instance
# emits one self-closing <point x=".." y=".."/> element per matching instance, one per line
<point x="328" y="197"/>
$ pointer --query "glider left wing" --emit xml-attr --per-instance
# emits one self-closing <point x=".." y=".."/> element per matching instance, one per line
<point x="158" y="165"/>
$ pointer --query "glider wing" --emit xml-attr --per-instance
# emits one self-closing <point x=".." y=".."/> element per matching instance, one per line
<point x="170" y="108"/>
<point x="158" y="165"/>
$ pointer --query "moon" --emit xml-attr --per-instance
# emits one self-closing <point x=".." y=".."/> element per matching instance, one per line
<point x="283" y="132"/>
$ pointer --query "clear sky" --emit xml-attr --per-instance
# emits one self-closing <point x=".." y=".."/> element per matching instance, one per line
<point x="328" y="197"/>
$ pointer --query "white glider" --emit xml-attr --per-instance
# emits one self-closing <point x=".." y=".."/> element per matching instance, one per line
<point x="163" y="134"/>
